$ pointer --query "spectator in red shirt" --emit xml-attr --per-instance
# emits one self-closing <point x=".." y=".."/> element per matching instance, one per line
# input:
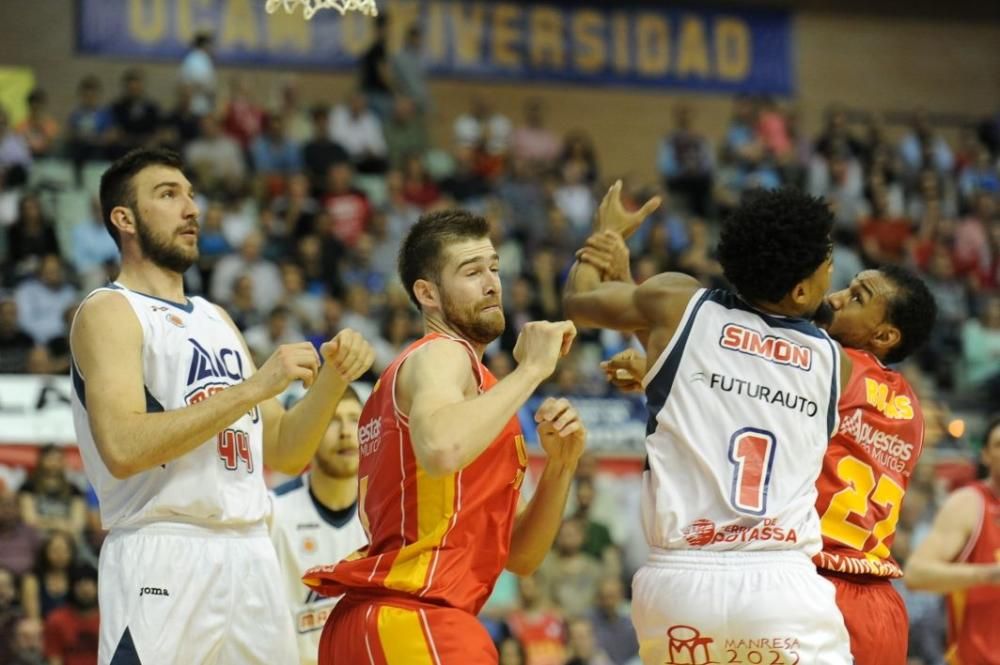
<point x="884" y="237"/>
<point x="71" y="631"/>
<point x="537" y="626"/>
<point x="244" y="118"/>
<point x="418" y="188"/>
<point x="349" y="209"/>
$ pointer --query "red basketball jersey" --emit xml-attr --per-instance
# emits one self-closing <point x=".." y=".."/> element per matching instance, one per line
<point x="443" y="539"/>
<point x="867" y="468"/>
<point x="974" y="614"/>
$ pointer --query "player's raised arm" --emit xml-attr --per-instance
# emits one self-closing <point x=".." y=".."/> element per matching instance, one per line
<point x="449" y="423"/>
<point x="594" y="298"/>
<point x="932" y="566"/>
<point x="106" y="342"/>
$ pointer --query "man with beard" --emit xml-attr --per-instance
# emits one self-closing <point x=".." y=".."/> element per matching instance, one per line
<point x="883" y="316"/>
<point x="316" y="521"/>
<point x="742" y="398"/>
<point x="442" y="461"/>
<point x="174" y="424"/>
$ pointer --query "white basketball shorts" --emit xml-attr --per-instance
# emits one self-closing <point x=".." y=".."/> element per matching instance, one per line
<point x="178" y="594"/>
<point x="739" y="608"/>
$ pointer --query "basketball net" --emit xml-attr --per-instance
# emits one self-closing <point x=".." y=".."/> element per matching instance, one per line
<point x="310" y="7"/>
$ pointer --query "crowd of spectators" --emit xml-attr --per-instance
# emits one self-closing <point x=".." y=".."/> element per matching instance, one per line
<point x="303" y="209"/>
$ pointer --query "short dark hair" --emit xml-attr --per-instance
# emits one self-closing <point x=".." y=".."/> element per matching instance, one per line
<point x="912" y="310"/>
<point x="116" y="184"/>
<point x="421" y="255"/>
<point x="774" y="240"/>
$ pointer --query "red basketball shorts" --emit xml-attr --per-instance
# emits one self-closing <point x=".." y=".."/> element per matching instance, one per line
<point x="391" y="632"/>
<point x="875" y="617"/>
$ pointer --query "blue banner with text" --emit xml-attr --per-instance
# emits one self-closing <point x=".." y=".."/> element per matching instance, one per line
<point x="738" y="51"/>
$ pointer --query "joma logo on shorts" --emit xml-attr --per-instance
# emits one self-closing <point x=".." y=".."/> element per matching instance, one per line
<point x="152" y="591"/>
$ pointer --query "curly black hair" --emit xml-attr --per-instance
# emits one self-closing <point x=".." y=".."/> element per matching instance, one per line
<point x="422" y="256"/>
<point x="773" y="241"/>
<point x="912" y="310"/>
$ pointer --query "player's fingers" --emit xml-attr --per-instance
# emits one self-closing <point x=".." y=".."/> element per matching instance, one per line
<point x="602" y="263"/>
<point x="546" y="411"/>
<point x="571" y="429"/>
<point x="362" y="363"/>
<point x="569" y="334"/>
<point x="647" y="209"/>
<point x="304" y="375"/>
<point x="565" y="418"/>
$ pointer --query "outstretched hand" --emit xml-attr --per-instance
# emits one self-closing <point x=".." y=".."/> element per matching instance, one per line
<point x="612" y="215"/>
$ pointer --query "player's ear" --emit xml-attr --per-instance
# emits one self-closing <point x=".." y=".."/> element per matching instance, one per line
<point x="427" y="293"/>
<point x="124" y="220"/>
<point x="800" y="294"/>
<point x="885" y="337"/>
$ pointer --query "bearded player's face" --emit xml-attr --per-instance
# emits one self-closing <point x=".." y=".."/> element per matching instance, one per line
<point x="469" y="285"/>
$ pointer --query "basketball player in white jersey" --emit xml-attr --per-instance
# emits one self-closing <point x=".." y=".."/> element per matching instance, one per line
<point x="316" y="521"/>
<point x="742" y="396"/>
<point x="175" y="425"/>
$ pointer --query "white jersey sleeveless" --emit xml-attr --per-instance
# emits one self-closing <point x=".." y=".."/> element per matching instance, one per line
<point x="741" y="407"/>
<point x="306" y="534"/>
<point x="189" y="352"/>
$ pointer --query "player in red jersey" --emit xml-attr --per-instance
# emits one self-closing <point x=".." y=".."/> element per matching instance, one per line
<point x="961" y="557"/>
<point x="442" y="461"/>
<point x="882" y="317"/>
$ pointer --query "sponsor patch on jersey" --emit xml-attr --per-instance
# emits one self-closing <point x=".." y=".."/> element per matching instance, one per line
<point x="175" y="320"/>
<point x="772" y="348"/>
<point x="889" y="450"/>
<point x="369" y="436"/>
<point x="702" y="532"/>
<point x="889" y="404"/>
<point x="751" y="390"/>
<point x="309" y="545"/>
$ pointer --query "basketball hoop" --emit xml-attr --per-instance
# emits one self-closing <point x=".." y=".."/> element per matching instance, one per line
<point x="310" y="7"/>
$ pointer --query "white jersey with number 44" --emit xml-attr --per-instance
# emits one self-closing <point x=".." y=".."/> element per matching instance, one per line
<point x="189" y="352"/>
<point x="741" y="407"/>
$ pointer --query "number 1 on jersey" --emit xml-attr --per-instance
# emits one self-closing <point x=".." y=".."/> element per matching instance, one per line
<point x="751" y="451"/>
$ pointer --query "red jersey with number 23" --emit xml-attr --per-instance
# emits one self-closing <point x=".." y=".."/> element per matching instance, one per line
<point x="867" y="469"/>
<point x="438" y="539"/>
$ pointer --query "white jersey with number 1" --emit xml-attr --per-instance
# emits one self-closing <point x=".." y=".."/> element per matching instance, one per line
<point x="742" y="405"/>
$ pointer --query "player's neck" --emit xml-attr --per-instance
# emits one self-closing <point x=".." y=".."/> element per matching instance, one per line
<point x="333" y="493"/>
<point x="151" y="279"/>
<point x="433" y="324"/>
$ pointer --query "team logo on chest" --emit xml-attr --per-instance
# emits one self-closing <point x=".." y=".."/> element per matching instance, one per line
<point x="225" y="364"/>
